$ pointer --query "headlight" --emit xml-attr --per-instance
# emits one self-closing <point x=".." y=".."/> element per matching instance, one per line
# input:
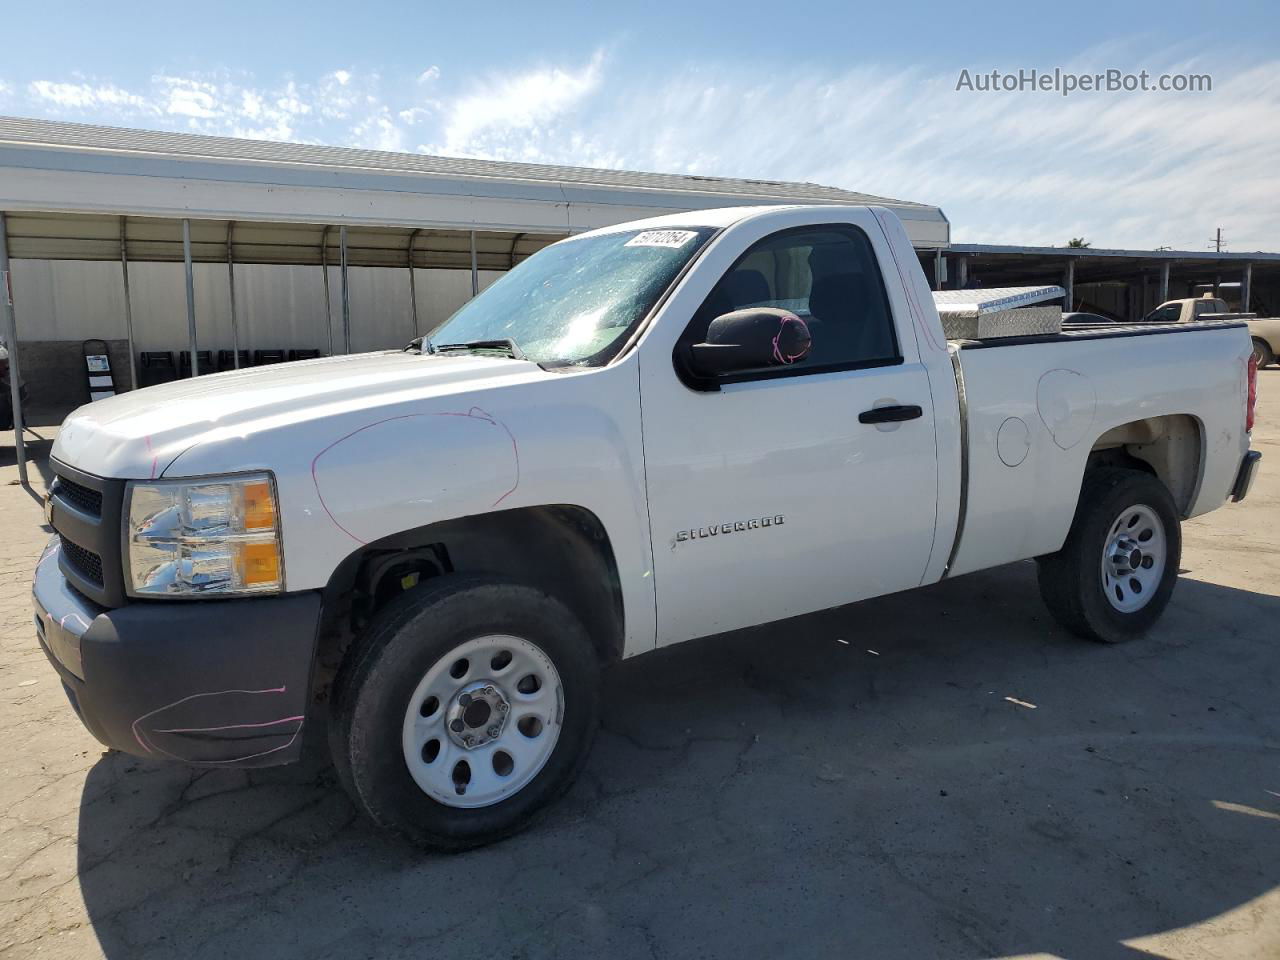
<point x="203" y="537"/>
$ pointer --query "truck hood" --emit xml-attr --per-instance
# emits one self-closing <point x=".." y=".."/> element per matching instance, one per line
<point x="136" y="435"/>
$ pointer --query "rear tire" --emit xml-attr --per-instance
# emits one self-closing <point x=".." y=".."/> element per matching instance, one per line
<point x="411" y="691"/>
<point x="1115" y="574"/>
<point x="1263" y="353"/>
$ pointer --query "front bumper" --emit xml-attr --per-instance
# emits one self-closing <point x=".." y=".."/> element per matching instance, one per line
<point x="1244" y="477"/>
<point x="214" y="682"/>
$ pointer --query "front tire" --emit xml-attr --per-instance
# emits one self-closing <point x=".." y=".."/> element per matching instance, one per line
<point x="469" y="705"/>
<point x="1115" y="574"/>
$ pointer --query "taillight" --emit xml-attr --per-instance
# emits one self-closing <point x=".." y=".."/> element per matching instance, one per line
<point x="1252" y="400"/>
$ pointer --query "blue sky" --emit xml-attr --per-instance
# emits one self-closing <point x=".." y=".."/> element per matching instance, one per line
<point x="861" y="96"/>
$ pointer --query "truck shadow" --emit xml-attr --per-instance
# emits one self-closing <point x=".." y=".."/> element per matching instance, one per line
<point x="940" y="773"/>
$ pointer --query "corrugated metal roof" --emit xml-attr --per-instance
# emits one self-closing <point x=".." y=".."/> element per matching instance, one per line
<point x="58" y="135"/>
<point x="993" y="249"/>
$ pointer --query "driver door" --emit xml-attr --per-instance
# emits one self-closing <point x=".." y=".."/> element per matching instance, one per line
<point x="768" y="496"/>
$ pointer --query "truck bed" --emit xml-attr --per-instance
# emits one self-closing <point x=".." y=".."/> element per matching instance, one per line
<point x="1034" y="414"/>
<point x="1108" y="331"/>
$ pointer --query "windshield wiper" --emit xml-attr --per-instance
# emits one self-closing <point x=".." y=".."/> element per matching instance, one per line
<point x="503" y="343"/>
<point x="421" y="344"/>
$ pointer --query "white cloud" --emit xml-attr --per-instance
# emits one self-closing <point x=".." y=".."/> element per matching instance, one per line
<point x="290" y="101"/>
<point x="414" y="115"/>
<point x="527" y="104"/>
<point x="192" y="98"/>
<point x="378" y="132"/>
<point x="85" y="95"/>
<point x="1141" y="169"/>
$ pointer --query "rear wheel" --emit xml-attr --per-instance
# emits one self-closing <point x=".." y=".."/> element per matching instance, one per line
<point x="470" y="704"/>
<point x="1115" y="574"/>
<point x="1263" y="353"/>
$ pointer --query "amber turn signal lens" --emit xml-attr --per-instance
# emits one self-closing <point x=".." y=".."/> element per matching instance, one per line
<point x="259" y="564"/>
<point x="259" y="506"/>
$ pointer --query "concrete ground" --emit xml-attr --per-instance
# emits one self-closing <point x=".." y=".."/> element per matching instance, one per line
<point x="960" y="779"/>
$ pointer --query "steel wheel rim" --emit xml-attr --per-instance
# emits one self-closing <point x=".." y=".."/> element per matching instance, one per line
<point x="1134" y="555"/>
<point x="504" y="756"/>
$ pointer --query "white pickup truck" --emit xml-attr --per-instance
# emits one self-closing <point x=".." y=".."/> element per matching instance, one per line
<point x="1264" y="331"/>
<point x="643" y="434"/>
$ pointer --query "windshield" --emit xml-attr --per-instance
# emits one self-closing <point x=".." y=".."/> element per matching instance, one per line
<point x="575" y="301"/>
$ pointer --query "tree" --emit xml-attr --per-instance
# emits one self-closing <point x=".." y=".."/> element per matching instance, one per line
<point x="1079" y="242"/>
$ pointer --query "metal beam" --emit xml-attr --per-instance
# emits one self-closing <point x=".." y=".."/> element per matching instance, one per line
<point x="475" y="273"/>
<point x="15" y="373"/>
<point x="1164" y="282"/>
<point x="1069" y="285"/>
<point x="324" y="267"/>
<point x="1246" y="287"/>
<point x="962" y="273"/>
<point x="231" y="284"/>
<point x="128" y="304"/>
<point x="413" y="285"/>
<point x="191" y="295"/>
<point x="346" y="292"/>
<point x="937" y="269"/>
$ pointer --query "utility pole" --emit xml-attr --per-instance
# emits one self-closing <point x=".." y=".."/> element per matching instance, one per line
<point x="1217" y="241"/>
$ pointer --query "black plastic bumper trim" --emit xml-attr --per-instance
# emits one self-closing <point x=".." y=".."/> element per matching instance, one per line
<point x="215" y="683"/>
<point x="1244" y="478"/>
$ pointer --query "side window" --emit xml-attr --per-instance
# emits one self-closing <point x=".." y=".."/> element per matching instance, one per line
<point x="1167" y="314"/>
<point x="827" y="276"/>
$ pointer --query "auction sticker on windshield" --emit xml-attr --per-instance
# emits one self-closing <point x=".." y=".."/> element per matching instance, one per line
<point x="661" y="238"/>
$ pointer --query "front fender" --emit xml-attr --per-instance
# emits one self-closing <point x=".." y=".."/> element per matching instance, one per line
<point x="352" y="478"/>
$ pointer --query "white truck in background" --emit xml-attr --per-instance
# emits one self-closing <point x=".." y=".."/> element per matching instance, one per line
<point x="640" y="435"/>
<point x="1264" y="332"/>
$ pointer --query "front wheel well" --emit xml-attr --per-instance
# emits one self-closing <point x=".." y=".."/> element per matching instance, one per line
<point x="561" y="549"/>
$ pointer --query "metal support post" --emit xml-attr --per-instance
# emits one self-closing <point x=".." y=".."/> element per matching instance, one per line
<point x="191" y="295"/>
<point x="231" y="284"/>
<point x="475" y="273"/>
<point x="328" y="306"/>
<point x="128" y="305"/>
<point x="11" y="335"/>
<point x="346" y="292"/>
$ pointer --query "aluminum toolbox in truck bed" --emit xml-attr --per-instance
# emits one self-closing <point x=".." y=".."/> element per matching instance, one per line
<point x="998" y="312"/>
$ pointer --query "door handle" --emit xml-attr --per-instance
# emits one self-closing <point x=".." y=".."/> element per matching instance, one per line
<point x="894" y="414"/>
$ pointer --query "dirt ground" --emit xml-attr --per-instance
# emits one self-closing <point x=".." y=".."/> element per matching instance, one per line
<point x="960" y="779"/>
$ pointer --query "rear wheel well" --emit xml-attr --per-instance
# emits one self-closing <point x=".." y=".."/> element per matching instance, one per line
<point x="561" y="549"/>
<point x="1169" y="447"/>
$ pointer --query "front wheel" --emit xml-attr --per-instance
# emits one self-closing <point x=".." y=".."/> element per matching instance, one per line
<point x="1115" y="574"/>
<point x="469" y="706"/>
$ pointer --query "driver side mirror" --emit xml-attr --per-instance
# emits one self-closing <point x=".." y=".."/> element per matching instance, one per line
<point x="749" y="340"/>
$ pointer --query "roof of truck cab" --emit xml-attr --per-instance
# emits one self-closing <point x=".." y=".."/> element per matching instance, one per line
<point x="717" y="217"/>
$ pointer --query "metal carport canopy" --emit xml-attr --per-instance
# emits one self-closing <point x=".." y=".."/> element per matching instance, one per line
<point x="56" y="167"/>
